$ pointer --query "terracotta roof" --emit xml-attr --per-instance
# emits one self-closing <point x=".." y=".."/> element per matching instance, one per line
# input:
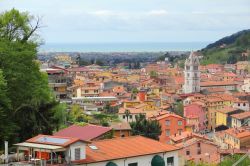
<point x="159" y="117"/>
<point x="242" y="115"/>
<point x="217" y="83"/>
<point x="186" y="135"/>
<point x="121" y="126"/>
<point x="238" y="132"/>
<point x="118" y="89"/>
<point x="127" y="147"/>
<point x="88" y="132"/>
<point x="226" y="110"/>
<point x="132" y="110"/>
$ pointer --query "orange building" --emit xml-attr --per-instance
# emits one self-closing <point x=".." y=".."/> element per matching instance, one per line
<point x="171" y="124"/>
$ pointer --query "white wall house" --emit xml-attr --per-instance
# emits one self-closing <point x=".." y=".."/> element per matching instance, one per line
<point x="130" y="151"/>
<point x="170" y="159"/>
<point x="246" y="86"/>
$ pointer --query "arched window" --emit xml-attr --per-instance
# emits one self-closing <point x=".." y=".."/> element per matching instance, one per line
<point x="111" y="164"/>
<point x="157" y="161"/>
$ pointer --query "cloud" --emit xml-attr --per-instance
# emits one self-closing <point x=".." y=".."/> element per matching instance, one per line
<point x="157" y="12"/>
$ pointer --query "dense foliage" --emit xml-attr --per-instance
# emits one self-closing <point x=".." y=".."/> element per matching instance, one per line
<point x="230" y="53"/>
<point x="147" y="128"/>
<point x="27" y="105"/>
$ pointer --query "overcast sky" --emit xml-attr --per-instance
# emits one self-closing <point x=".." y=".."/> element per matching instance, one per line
<point x="74" y="21"/>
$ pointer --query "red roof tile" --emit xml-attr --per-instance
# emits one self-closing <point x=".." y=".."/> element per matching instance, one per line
<point x="86" y="133"/>
<point x="118" y="148"/>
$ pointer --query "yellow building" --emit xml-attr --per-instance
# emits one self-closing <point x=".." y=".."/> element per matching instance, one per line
<point x="237" y="137"/>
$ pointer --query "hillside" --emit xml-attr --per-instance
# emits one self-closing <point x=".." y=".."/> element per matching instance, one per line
<point x="227" y="49"/>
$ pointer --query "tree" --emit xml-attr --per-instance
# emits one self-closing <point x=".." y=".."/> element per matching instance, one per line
<point x="178" y="108"/>
<point x="147" y="128"/>
<point x="6" y="125"/>
<point x="233" y="159"/>
<point x="31" y="103"/>
<point x="153" y="74"/>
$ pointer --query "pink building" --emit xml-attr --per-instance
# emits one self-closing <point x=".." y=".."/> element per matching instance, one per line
<point x="196" y="110"/>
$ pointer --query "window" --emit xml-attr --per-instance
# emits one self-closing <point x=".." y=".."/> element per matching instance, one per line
<point x="238" y="104"/>
<point x="77" y="153"/>
<point x="167" y="132"/>
<point x="199" y="151"/>
<point x="188" y="67"/>
<point x="123" y="116"/>
<point x="133" y="164"/>
<point x="195" y="67"/>
<point x="86" y="91"/>
<point x="199" y="145"/>
<point x="130" y="116"/>
<point x="187" y="152"/>
<point x="179" y="131"/>
<point x="244" y="104"/>
<point x="167" y="122"/>
<point x="179" y="122"/>
<point x="95" y="91"/>
<point x="170" y="161"/>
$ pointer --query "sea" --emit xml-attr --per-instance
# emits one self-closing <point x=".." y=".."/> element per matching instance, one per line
<point x="123" y="47"/>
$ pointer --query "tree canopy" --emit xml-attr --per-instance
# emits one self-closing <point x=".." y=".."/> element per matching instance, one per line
<point x="26" y="99"/>
<point x="147" y="128"/>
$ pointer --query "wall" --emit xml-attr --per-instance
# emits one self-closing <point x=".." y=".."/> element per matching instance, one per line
<point x="204" y="147"/>
<point x="141" y="160"/>
<point x="197" y="110"/>
<point x="173" y="130"/>
<point x="72" y="147"/>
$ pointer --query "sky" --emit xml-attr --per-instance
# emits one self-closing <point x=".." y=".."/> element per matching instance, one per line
<point x="97" y="21"/>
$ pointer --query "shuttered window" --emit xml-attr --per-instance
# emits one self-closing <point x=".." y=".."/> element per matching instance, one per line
<point x="77" y="153"/>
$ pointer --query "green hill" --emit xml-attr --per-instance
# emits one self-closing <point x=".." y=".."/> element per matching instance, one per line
<point x="227" y="49"/>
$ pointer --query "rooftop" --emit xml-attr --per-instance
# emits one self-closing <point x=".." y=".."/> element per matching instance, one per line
<point x="85" y="133"/>
<point x="118" y="148"/>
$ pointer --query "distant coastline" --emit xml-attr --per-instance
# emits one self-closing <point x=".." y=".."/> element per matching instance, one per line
<point x="123" y="47"/>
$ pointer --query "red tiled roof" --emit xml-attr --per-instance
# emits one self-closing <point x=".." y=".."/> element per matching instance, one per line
<point x="242" y="115"/>
<point x="168" y="115"/>
<point x="217" y="83"/>
<point x="238" y="132"/>
<point x="118" y="148"/>
<point x="86" y="133"/>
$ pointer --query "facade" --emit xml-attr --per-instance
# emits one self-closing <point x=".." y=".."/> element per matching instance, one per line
<point x="48" y="148"/>
<point x="122" y="129"/>
<point x="58" y="82"/>
<point x="167" y="121"/>
<point x="238" y="138"/>
<point x="246" y="86"/>
<point x="241" y="119"/>
<point x="198" y="150"/>
<point x="192" y="74"/>
<point x="198" y="111"/>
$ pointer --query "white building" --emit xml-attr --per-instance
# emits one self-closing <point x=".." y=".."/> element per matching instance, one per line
<point x="246" y="86"/>
<point x="192" y="74"/>
<point x="130" y="151"/>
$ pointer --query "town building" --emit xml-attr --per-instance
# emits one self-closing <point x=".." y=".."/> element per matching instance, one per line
<point x="167" y="121"/>
<point x="129" y="151"/>
<point x="238" y="120"/>
<point x="238" y="138"/>
<point x="192" y="74"/>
